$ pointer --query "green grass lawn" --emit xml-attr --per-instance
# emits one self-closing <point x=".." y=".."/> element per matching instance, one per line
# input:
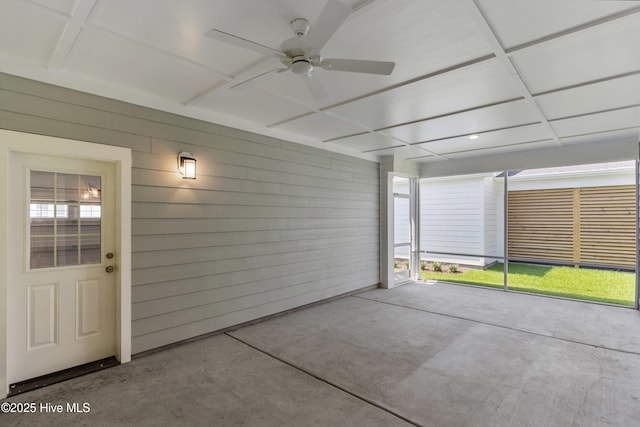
<point x="613" y="287"/>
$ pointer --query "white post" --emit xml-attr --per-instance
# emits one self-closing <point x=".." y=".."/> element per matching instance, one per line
<point x="386" y="228"/>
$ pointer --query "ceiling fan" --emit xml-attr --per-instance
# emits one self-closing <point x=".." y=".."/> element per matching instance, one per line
<point x="301" y="54"/>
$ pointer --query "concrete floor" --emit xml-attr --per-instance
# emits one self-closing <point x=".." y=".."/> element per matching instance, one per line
<point x="433" y="355"/>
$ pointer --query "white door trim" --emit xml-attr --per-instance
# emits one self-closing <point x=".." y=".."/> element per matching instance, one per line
<point x="11" y="141"/>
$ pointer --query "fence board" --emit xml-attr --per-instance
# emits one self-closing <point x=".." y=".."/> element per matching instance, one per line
<point x="604" y="209"/>
<point x="592" y="225"/>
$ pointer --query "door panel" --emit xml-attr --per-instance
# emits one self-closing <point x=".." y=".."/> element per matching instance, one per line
<point x="89" y="308"/>
<point x="61" y="310"/>
<point x="42" y="315"/>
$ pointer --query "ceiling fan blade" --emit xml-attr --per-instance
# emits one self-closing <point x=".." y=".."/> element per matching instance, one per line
<point x="330" y="19"/>
<point x="314" y="86"/>
<point x="358" y="66"/>
<point x="247" y="44"/>
<point x="257" y="78"/>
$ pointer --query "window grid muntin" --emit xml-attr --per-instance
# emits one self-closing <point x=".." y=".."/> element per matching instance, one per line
<point x="87" y="202"/>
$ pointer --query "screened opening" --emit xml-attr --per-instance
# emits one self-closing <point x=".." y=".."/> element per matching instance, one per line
<point x="459" y="236"/>
<point x="570" y="231"/>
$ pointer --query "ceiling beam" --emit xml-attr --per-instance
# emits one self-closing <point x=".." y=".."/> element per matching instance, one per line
<point x="70" y="34"/>
<point x="500" y="53"/>
<point x="244" y="74"/>
<point x="452" y="113"/>
<point x="591" y="82"/>
<point x="575" y="29"/>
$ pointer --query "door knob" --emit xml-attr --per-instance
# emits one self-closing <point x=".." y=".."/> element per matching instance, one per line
<point x="109" y="269"/>
<point x="110" y="255"/>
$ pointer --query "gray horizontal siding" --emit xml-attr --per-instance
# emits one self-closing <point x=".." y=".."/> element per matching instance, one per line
<point x="265" y="308"/>
<point x="269" y="225"/>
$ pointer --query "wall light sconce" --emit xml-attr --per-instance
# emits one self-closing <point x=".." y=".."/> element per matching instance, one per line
<point x="187" y="165"/>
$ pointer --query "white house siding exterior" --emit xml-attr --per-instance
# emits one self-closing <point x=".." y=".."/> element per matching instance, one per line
<point x="457" y="215"/>
<point x="491" y="223"/>
<point x="268" y="226"/>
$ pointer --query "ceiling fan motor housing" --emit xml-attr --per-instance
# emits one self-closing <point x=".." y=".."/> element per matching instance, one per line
<point x="301" y="65"/>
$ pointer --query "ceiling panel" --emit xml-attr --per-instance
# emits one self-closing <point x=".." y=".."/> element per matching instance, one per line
<point x="631" y="135"/>
<point x="468" y="87"/>
<point x="412" y="33"/>
<point x="321" y="126"/>
<point x="591" y="98"/>
<point x="244" y="102"/>
<point x="518" y="22"/>
<point x="338" y="85"/>
<point x="514" y="148"/>
<point x="34" y="42"/>
<point x="366" y="142"/>
<point x="511" y="136"/>
<point x="588" y="55"/>
<point x="610" y="120"/>
<point x="398" y="31"/>
<point x="63" y="6"/>
<point x="428" y="159"/>
<point x="179" y="27"/>
<point x="405" y="152"/>
<point x="484" y="119"/>
<point x="111" y="58"/>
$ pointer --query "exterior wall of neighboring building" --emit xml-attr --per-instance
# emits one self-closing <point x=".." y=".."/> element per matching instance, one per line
<point x="457" y="215"/>
<point x="491" y="223"/>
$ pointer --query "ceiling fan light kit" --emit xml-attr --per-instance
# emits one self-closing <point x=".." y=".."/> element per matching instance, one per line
<point x="301" y="65"/>
<point x="301" y="54"/>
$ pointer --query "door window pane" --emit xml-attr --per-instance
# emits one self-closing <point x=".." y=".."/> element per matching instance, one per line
<point x="65" y="216"/>
<point x="67" y="187"/>
<point x="90" y="249"/>
<point x="66" y="250"/>
<point x="42" y="255"/>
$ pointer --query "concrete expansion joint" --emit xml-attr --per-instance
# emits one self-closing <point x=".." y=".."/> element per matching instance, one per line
<point x="597" y="346"/>
<point x="324" y="380"/>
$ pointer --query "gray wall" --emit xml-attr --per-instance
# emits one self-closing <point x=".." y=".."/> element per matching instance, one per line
<point x="269" y="225"/>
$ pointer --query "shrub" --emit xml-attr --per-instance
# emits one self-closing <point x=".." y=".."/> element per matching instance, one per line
<point x="436" y="266"/>
<point x="453" y="268"/>
<point x="423" y="265"/>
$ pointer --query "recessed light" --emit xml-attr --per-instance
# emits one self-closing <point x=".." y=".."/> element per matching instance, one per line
<point x="474" y="136"/>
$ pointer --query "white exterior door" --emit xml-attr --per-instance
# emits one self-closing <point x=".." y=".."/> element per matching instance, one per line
<point x="61" y="287"/>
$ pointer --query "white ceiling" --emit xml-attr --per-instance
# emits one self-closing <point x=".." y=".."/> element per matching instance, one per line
<point x="521" y="74"/>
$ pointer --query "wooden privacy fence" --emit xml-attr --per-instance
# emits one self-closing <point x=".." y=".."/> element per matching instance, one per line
<point x="594" y="225"/>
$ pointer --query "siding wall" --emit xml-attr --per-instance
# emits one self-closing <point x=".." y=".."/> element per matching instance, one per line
<point x="490" y="218"/>
<point x="269" y="225"/>
<point x="452" y="218"/>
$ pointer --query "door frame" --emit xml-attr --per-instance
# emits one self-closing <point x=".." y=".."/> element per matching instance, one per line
<point x="18" y="142"/>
